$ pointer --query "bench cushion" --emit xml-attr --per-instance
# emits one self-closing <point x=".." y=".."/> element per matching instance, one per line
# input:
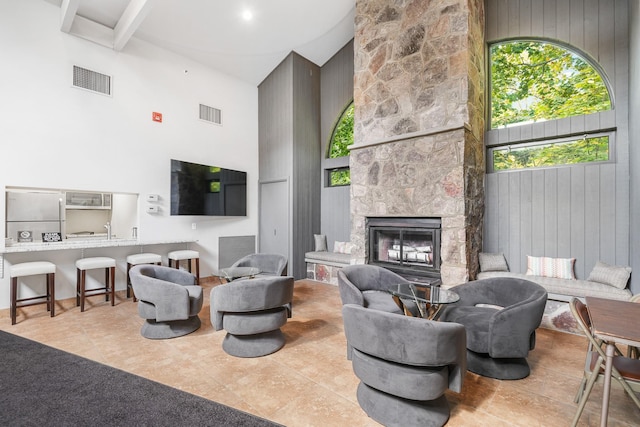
<point x="557" y="288"/>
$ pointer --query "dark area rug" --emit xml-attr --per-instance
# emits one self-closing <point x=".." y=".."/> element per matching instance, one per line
<point x="43" y="386"/>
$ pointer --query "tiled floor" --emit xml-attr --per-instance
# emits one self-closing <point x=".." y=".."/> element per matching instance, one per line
<point x="310" y="382"/>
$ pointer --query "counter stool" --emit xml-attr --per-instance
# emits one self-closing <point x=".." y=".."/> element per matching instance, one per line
<point x="84" y="264"/>
<point x="32" y="269"/>
<point x="135" y="259"/>
<point x="187" y="255"/>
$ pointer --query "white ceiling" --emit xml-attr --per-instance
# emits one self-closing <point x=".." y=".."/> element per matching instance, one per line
<point x="214" y="33"/>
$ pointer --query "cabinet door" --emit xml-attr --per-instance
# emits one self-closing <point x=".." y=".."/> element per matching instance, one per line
<point x="274" y="217"/>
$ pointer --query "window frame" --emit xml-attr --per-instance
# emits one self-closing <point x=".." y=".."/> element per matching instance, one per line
<point x="329" y="171"/>
<point x="555" y="140"/>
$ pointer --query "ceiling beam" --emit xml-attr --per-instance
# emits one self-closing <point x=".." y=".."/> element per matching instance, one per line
<point x="68" y="10"/>
<point x="129" y="22"/>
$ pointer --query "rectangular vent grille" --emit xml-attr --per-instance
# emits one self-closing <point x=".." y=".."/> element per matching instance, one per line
<point x="210" y="114"/>
<point x="91" y="80"/>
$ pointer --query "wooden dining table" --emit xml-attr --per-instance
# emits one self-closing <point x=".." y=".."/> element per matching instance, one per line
<point x="614" y="322"/>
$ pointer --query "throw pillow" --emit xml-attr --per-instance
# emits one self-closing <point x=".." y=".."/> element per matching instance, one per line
<point x="338" y="247"/>
<point x="560" y="268"/>
<point x="612" y="275"/>
<point x="492" y="262"/>
<point x="320" y="242"/>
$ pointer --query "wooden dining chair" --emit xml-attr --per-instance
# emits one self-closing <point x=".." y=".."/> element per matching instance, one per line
<point x="625" y="370"/>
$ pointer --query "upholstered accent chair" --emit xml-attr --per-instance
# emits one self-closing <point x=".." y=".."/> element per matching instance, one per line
<point x="405" y="364"/>
<point x="268" y="264"/>
<point x="367" y="285"/>
<point x="501" y="316"/>
<point x="252" y="312"/>
<point x="168" y="299"/>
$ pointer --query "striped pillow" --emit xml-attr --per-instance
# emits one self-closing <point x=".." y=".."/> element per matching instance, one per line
<point x="561" y="268"/>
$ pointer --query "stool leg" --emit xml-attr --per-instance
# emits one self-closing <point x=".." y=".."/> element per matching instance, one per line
<point x="189" y="261"/>
<point x="77" y="287"/>
<point x="83" y="277"/>
<point x="51" y="286"/>
<point x="106" y="283"/>
<point x="14" y="296"/>
<point x="112" y="285"/>
<point x="197" y="271"/>
<point x="129" y="289"/>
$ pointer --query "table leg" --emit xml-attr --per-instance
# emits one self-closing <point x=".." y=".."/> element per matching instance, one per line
<point x="607" y="384"/>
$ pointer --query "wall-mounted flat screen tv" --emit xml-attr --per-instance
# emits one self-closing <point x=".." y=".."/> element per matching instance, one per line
<point x="207" y="190"/>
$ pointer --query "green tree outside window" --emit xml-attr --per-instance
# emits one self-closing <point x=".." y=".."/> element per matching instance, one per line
<point x="342" y="134"/>
<point x="341" y="139"/>
<point x="534" y="81"/>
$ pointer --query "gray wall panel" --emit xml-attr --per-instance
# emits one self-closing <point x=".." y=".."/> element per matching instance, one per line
<point x="579" y="211"/>
<point x="336" y="94"/>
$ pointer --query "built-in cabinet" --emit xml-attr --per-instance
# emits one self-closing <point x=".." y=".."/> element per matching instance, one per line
<point x="289" y="160"/>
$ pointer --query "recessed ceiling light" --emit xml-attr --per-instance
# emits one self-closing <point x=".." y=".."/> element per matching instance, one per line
<point x="247" y="15"/>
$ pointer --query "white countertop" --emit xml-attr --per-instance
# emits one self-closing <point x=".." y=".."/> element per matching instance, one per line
<point x="84" y="244"/>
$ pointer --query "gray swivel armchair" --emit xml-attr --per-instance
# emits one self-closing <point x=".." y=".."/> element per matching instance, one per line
<point x="501" y="316"/>
<point x="168" y="300"/>
<point x="405" y="365"/>
<point x="252" y="312"/>
<point x="268" y="264"/>
<point x="367" y="285"/>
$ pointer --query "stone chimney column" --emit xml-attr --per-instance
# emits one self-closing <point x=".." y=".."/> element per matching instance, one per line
<point x="419" y="122"/>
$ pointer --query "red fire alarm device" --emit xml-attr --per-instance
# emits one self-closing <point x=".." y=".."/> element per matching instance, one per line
<point x="156" y="117"/>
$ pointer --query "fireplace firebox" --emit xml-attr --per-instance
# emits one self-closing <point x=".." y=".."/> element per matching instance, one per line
<point x="407" y="246"/>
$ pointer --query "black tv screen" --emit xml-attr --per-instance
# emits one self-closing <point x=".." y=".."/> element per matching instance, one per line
<point x="207" y="190"/>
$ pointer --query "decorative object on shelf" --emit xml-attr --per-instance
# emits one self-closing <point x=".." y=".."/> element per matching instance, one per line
<point x="25" y="236"/>
<point x="52" y="237"/>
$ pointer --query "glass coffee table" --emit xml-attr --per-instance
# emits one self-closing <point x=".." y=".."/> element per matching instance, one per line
<point x="232" y="273"/>
<point x="428" y="298"/>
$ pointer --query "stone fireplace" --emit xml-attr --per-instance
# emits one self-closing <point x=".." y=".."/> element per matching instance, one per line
<point x="419" y="123"/>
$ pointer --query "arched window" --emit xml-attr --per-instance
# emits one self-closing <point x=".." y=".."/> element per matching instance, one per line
<point x="341" y="139"/>
<point x="535" y="81"/>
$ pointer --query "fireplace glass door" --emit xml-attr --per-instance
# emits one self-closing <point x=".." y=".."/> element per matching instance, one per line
<point x="405" y="247"/>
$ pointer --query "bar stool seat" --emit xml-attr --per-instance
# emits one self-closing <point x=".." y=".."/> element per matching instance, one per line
<point x="185" y="255"/>
<point x="136" y="259"/>
<point x="84" y="264"/>
<point x="31" y="269"/>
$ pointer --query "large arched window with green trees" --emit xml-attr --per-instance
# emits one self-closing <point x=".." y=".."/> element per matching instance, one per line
<point x="535" y="81"/>
<point x="341" y="139"/>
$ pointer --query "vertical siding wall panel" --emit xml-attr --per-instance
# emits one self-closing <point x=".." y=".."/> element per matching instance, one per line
<point x="551" y="212"/>
<point x="576" y="22"/>
<point x="514" y="215"/>
<point x="577" y="219"/>
<point x="525" y="16"/>
<point x="579" y="211"/>
<point x="607" y="213"/>
<point x="592" y="217"/>
<point x="563" y="16"/>
<point x="538" y="212"/>
<point x="564" y="212"/>
<point x="490" y="241"/>
<point x="526" y="217"/>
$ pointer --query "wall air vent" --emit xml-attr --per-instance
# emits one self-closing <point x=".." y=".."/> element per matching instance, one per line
<point x="91" y="80"/>
<point x="210" y="114"/>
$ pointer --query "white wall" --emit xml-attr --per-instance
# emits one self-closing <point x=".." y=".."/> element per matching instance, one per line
<point x="57" y="136"/>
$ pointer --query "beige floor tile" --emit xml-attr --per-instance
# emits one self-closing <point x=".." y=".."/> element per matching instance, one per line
<point x="310" y="382"/>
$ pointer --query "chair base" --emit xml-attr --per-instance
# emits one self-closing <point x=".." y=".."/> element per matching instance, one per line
<point x="499" y="368"/>
<point x="392" y="411"/>
<point x="255" y="345"/>
<point x="164" y="330"/>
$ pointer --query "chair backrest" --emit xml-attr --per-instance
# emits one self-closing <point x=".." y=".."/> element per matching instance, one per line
<point x="273" y="264"/>
<point x="407" y="340"/>
<point x="261" y="293"/>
